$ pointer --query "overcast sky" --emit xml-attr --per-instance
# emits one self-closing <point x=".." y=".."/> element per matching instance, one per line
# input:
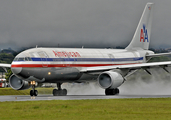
<point x="76" y="23"/>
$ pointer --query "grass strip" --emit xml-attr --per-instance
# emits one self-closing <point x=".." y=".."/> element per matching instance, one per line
<point x="118" y="109"/>
<point x="10" y="91"/>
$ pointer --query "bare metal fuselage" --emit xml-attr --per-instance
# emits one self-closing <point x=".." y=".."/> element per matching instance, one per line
<point x="64" y="65"/>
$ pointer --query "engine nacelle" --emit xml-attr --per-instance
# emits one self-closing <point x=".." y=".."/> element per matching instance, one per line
<point x="110" y="79"/>
<point x="18" y="84"/>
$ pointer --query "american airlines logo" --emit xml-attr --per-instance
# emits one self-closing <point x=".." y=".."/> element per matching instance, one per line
<point x="144" y="34"/>
<point x="66" y="54"/>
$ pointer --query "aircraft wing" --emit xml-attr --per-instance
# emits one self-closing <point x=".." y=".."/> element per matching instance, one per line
<point x="3" y="65"/>
<point x="131" y="66"/>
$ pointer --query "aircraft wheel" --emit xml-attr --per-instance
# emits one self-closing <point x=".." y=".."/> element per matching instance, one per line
<point x="112" y="91"/>
<point x="64" y="92"/>
<point x="108" y="92"/>
<point x="59" y="92"/>
<point x="55" y="92"/>
<point x="31" y="92"/>
<point x="115" y="91"/>
<point x="35" y="92"/>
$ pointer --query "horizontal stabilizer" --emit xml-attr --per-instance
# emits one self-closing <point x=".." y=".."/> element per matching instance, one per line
<point x="158" y="55"/>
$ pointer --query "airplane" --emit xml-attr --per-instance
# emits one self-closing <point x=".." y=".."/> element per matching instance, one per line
<point x="109" y="67"/>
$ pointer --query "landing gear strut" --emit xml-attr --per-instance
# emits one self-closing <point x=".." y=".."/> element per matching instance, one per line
<point x="59" y="91"/>
<point x="33" y="92"/>
<point x="112" y="91"/>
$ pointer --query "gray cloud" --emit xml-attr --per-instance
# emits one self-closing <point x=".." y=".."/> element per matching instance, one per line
<point x="73" y="23"/>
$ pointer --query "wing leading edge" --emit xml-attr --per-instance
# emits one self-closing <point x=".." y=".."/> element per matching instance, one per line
<point x="3" y="65"/>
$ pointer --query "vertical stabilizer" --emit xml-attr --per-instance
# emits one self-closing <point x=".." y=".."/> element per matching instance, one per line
<point x="142" y="34"/>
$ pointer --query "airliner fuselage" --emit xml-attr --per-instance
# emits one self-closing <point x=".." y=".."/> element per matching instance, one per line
<point x="64" y="65"/>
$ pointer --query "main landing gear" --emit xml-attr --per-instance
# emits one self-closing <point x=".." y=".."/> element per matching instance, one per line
<point x="33" y="92"/>
<point x="112" y="91"/>
<point x="59" y="91"/>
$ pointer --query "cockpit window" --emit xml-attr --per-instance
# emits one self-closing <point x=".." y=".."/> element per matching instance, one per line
<point x="28" y="59"/>
<point x="15" y="59"/>
<point x="21" y="59"/>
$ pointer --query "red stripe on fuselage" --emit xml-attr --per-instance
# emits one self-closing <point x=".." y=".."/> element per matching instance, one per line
<point x="65" y="65"/>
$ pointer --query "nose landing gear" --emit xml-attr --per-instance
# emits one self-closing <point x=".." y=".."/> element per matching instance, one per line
<point x="59" y="91"/>
<point x="33" y="92"/>
<point x="56" y="92"/>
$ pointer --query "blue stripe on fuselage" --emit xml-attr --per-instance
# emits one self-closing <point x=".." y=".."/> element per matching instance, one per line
<point x="88" y="59"/>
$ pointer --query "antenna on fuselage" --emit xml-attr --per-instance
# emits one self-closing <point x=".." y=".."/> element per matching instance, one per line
<point x="36" y="46"/>
<point x="82" y="47"/>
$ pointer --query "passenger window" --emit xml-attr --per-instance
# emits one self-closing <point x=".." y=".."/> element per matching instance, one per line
<point x="21" y="59"/>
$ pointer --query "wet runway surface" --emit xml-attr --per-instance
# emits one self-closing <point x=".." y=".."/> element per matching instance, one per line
<point x="75" y="97"/>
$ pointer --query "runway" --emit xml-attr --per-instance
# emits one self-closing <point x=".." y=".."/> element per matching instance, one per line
<point x="75" y="97"/>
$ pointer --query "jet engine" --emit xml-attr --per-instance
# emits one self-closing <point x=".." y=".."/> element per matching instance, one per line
<point x="110" y="80"/>
<point x="18" y="84"/>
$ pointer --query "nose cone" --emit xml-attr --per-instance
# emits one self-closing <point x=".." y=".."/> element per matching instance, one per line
<point x="17" y="66"/>
<point x="20" y="72"/>
<point x="16" y="70"/>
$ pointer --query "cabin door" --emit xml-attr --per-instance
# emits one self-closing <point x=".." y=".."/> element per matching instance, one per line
<point x="44" y="58"/>
<point x="111" y="58"/>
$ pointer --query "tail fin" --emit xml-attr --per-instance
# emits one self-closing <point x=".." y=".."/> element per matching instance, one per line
<point x="142" y="34"/>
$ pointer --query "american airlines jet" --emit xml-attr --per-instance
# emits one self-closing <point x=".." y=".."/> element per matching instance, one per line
<point x="109" y="67"/>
